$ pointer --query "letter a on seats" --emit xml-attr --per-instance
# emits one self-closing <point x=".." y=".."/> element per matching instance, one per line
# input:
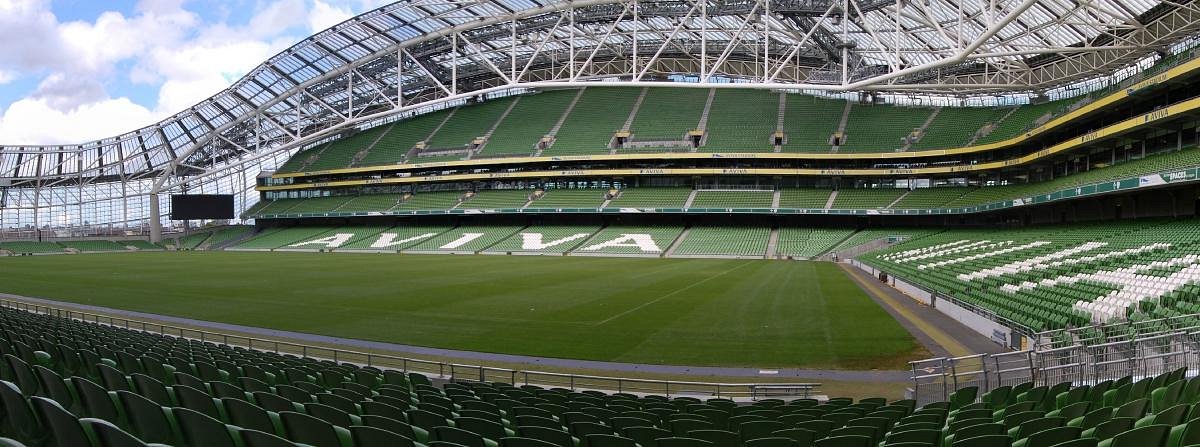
<point x="533" y="241"/>
<point x="334" y="241"/>
<point x="637" y="240"/>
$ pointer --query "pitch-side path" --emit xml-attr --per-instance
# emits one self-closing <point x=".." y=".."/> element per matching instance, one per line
<point x="939" y="334"/>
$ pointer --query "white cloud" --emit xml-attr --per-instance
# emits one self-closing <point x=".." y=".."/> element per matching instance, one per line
<point x="35" y="121"/>
<point x="160" y="44"/>
<point x="64" y="93"/>
<point x="324" y="15"/>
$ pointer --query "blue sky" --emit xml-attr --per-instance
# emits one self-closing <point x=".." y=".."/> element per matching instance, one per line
<point x="73" y="71"/>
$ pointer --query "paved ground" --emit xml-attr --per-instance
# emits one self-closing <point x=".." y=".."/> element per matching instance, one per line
<point x="941" y="335"/>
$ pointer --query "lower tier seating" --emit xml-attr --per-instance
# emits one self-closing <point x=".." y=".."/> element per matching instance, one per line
<point x="725" y="241"/>
<point x="808" y="242"/>
<point x="1059" y="276"/>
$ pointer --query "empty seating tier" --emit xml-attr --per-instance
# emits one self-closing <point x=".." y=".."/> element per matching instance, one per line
<point x="599" y="113"/>
<point x="667" y="114"/>
<point x="809" y="122"/>
<point x="20" y="247"/>
<point x="403" y="136"/>
<point x="874" y="128"/>
<point x="803" y="198"/>
<point x="530" y="120"/>
<point x="466" y="239"/>
<point x="862" y="198"/>
<point x="651" y="198"/>
<point x="725" y="241"/>
<point x="498" y="199"/>
<point x="733" y="199"/>
<point x="570" y="198"/>
<point x="742" y="121"/>
<point x="1061" y="276"/>
<point x="546" y="239"/>
<point x="468" y="123"/>
<point x="631" y="240"/>
<point x="808" y="242"/>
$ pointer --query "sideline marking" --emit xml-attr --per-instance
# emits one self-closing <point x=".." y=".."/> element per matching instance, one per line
<point x="950" y="344"/>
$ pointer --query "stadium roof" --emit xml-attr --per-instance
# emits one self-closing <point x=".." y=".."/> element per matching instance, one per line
<point x="413" y="53"/>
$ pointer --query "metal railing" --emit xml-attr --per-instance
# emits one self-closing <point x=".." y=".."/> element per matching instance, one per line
<point x="1083" y="361"/>
<point x="439" y="369"/>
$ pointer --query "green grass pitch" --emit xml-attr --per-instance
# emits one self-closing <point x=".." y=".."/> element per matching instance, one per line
<point x="697" y="312"/>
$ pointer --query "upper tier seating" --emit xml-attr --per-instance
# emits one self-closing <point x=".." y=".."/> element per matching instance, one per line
<point x="742" y="121"/>
<point x="958" y="126"/>
<point x="600" y="113"/>
<point x="874" y="128"/>
<point x="810" y="121"/>
<point x="468" y="123"/>
<point x="341" y="152"/>
<point x="1021" y="120"/>
<point x="530" y="120"/>
<point x="64" y="382"/>
<point x="403" y="136"/>
<point x="668" y="113"/>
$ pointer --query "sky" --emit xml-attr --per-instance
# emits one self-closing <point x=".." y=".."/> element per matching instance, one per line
<point x="73" y="71"/>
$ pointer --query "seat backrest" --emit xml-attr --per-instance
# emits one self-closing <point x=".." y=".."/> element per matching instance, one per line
<point x="247" y="415"/>
<point x="458" y="436"/>
<point x="366" y="436"/>
<point x="94" y="399"/>
<point x="200" y="430"/>
<point x="109" y="435"/>
<point x="309" y="430"/>
<point x="64" y="428"/>
<point x="386" y="423"/>
<point x="255" y="438"/>
<point x="683" y="442"/>
<point x="146" y="418"/>
<point x="196" y="400"/>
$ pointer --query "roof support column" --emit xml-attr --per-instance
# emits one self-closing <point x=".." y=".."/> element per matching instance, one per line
<point x="155" y="220"/>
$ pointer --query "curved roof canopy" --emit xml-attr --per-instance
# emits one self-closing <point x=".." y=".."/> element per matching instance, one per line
<point x="418" y="52"/>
